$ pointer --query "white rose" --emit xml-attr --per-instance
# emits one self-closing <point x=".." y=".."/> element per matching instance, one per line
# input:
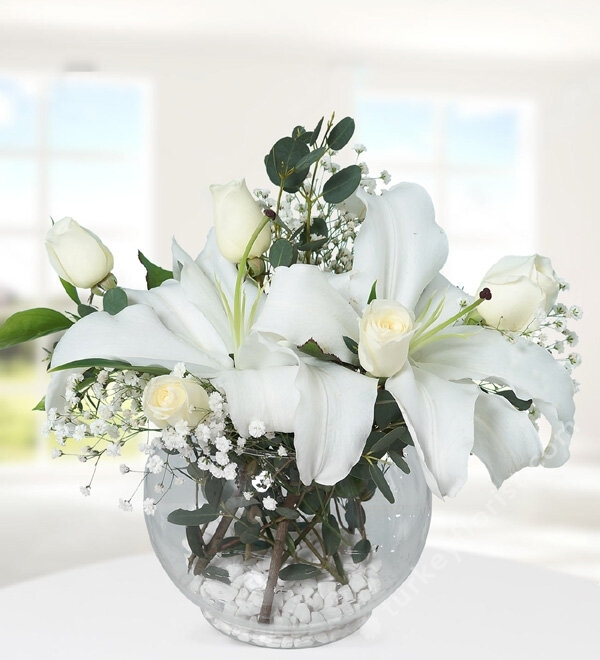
<point x="169" y="399"/>
<point x="385" y="330"/>
<point x="524" y="289"/>
<point x="77" y="255"/>
<point x="237" y="216"/>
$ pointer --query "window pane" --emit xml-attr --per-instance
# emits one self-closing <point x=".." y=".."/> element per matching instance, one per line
<point x="18" y="115"/>
<point x="404" y="127"/>
<point x="490" y="207"/>
<point x="104" y="196"/>
<point x="480" y="135"/>
<point x="88" y="114"/>
<point x="18" y="187"/>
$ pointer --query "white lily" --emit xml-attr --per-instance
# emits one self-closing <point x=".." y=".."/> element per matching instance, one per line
<point x="190" y="319"/>
<point x="402" y="249"/>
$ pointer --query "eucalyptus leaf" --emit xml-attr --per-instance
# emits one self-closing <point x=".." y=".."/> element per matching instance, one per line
<point x="114" y="301"/>
<point x="316" y="132"/>
<point x="314" y="350"/>
<point x="238" y="502"/>
<point x="355" y="514"/>
<point x="351" y="344"/>
<point x="41" y="405"/>
<point x="392" y="439"/>
<point x="195" y="472"/>
<point x="299" y="572"/>
<point x="205" y="514"/>
<point x="286" y="512"/>
<point x="331" y="534"/>
<point x="217" y="573"/>
<point x="373" y="293"/>
<point x="281" y="164"/>
<point x="85" y="310"/>
<point x="341" y="134"/>
<point x="213" y="490"/>
<point x="152" y="369"/>
<point x="361" y="550"/>
<point x="194" y="539"/>
<point x="342" y="184"/>
<point x="247" y="531"/>
<point x="386" y="409"/>
<point x="399" y="461"/>
<point x="155" y="275"/>
<point x="381" y="482"/>
<point x="311" y="158"/>
<point x="31" y="324"/>
<point x="282" y="253"/>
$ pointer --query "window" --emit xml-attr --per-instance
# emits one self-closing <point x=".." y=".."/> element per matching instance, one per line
<point x="474" y="156"/>
<point x="78" y="146"/>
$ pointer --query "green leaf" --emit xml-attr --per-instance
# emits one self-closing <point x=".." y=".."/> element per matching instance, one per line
<point x="298" y="132"/>
<point x="217" y="573"/>
<point x="41" y="405"/>
<point x="314" y="350"/>
<point x="311" y="158"/>
<point x="361" y="550"/>
<point x="85" y="310"/>
<point x="31" y="324"/>
<point x="282" y="253"/>
<point x="316" y="132"/>
<point x="341" y="134"/>
<point x="331" y="534"/>
<point x="290" y="514"/>
<point x="155" y="275"/>
<point x="513" y="399"/>
<point x="195" y="472"/>
<point x="380" y="480"/>
<point x="213" y="490"/>
<point x="71" y="291"/>
<point x="399" y="461"/>
<point x="238" y="502"/>
<point x="355" y="514"/>
<point x="194" y="539"/>
<point x="114" y="301"/>
<point x="205" y="514"/>
<point x="351" y="345"/>
<point x="281" y="163"/>
<point x="152" y="369"/>
<point x="342" y="184"/>
<point x="373" y="293"/>
<point x="318" y="229"/>
<point x="386" y="409"/>
<point x="395" y="438"/>
<point x="299" y="572"/>
<point x="247" y="531"/>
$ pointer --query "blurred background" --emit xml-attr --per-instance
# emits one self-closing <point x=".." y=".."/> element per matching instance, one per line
<point x="121" y="113"/>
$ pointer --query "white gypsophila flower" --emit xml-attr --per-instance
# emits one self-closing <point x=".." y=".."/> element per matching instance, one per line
<point x="124" y="469"/>
<point x="159" y="489"/>
<point x="262" y="482"/>
<point x="572" y="338"/>
<point x="46" y="430"/>
<point x="359" y="148"/>
<point x="216" y="472"/>
<point x="155" y="464"/>
<point x="56" y="453"/>
<point x="51" y="415"/>
<point x="114" y="449"/>
<point x="560" y="309"/>
<point x="230" y="471"/>
<point x="131" y="378"/>
<point x="215" y="401"/>
<point x="82" y="458"/>
<point x="80" y="432"/>
<point x="125" y="505"/>
<point x="559" y="346"/>
<point x="574" y="359"/>
<point x="203" y="463"/>
<point x="241" y="442"/>
<point x="105" y="412"/>
<point x="172" y="439"/>
<point x="256" y="428"/>
<point x="282" y="451"/>
<point x="269" y="503"/>
<point x="385" y="176"/>
<point x="178" y="481"/>
<point x="247" y="495"/>
<point x="149" y="506"/>
<point x="179" y="370"/>
<point x="203" y="433"/>
<point x="102" y="377"/>
<point x="222" y="443"/>
<point x="182" y="427"/>
<point x="575" y="312"/>
<point x="85" y="491"/>
<point x="364" y="168"/>
<point x="222" y="458"/>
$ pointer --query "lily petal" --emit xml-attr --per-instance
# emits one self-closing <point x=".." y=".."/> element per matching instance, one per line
<point x="303" y="305"/>
<point x="399" y="245"/>
<point x="333" y="420"/>
<point x="266" y="394"/>
<point x="505" y="439"/>
<point x="135" y="335"/>
<point x="484" y="354"/>
<point x="439" y="415"/>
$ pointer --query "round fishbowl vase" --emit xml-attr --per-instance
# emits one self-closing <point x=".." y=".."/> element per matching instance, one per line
<point x="322" y="606"/>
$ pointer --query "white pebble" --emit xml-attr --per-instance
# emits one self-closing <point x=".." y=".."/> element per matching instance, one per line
<point x="374" y="584"/>
<point x="302" y="613"/>
<point x="347" y="609"/>
<point x="326" y="587"/>
<point x="248" y="609"/>
<point x="323" y="637"/>
<point x="331" y="599"/>
<point x="287" y="642"/>
<point x="242" y="595"/>
<point x="363" y="596"/>
<point x="218" y="591"/>
<point x="317" y="617"/>
<point x="256" y="597"/>
<point x="255" y="580"/>
<point x="317" y="602"/>
<point x="235" y="570"/>
<point x="357" y="583"/>
<point x="230" y="609"/>
<point x="306" y="590"/>
<point x="332" y="613"/>
<point x="346" y="593"/>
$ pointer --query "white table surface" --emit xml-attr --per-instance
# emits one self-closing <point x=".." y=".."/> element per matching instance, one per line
<point x="453" y="606"/>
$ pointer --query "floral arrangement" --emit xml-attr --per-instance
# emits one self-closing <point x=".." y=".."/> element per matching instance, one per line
<point x="287" y="368"/>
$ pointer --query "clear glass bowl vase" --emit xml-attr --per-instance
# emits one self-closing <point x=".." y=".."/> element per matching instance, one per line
<point x="303" y="612"/>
